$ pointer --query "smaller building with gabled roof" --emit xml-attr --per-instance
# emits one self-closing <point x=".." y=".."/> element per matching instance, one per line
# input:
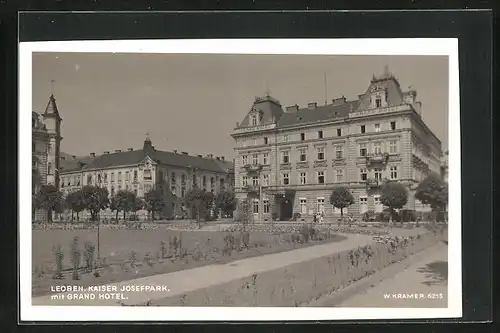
<point x="140" y="170"/>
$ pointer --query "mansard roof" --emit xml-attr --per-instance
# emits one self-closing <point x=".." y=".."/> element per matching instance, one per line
<point x="135" y="157"/>
<point x="319" y="113"/>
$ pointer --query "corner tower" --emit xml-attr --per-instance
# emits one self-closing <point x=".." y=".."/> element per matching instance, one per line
<point x="52" y="121"/>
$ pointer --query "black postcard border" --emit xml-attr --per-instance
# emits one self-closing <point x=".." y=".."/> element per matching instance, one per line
<point x="473" y="28"/>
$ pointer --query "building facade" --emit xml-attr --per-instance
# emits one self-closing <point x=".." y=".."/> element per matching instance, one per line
<point x="289" y="160"/>
<point x="46" y="142"/>
<point x="139" y="170"/>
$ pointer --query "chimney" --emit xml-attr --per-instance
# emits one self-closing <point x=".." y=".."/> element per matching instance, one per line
<point x="106" y="152"/>
<point x="200" y="156"/>
<point x="185" y="153"/>
<point x="73" y="157"/>
<point x="293" y="108"/>
<point x="211" y="156"/>
<point x="118" y="150"/>
<point x="92" y="155"/>
<point x="312" y="105"/>
<point x="217" y="158"/>
<point x="175" y="151"/>
<point x="222" y="158"/>
<point x="130" y="149"/>
<point x="63" y="158"/>
<point x="339" y="101"/>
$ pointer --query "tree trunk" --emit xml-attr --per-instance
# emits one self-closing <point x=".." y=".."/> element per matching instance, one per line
<point x="72" y="215"/>
<point x="153" y="214"/>
<point x="49" y="215"/>
<point x="116" y="218"/>
<point x="124" y="215"/>
<point x="77" y="216"/>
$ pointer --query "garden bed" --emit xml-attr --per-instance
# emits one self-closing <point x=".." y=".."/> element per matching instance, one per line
<point x="131" y="254"/>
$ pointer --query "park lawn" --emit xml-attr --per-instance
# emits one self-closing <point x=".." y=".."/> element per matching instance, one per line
<point x="117" y="245"/>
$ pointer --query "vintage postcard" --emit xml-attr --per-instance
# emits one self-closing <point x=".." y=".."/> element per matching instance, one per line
<point x="240" y="180"/>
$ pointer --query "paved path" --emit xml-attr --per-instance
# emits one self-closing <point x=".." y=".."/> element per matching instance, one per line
<point x="422" y="284"/>
<point x="202" y="277"/>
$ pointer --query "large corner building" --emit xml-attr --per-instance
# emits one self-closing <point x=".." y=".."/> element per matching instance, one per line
<point x="289" y="160"/>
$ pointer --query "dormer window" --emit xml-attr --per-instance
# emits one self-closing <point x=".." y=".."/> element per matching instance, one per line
<point x="254" y="120"/>
<point x="378" y="102"/>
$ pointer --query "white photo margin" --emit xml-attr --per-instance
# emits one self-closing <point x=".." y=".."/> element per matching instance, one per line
<point x="410" y="46"/>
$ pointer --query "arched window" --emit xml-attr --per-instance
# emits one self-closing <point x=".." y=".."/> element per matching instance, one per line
<point x="49" y="168"/>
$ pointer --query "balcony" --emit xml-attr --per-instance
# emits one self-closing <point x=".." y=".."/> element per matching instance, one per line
<point x="253" y="190"/>
<point x="377" y="158"/>
<point x="320" y="164"/>
<point x="302" y="165"/>
<point x="253" y="167"/>
<point x="286" y="166"/>
<point x="373" y="184"/>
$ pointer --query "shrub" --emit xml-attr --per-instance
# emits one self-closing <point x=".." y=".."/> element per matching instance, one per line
<point x="245" y="237"/>
<point x="59" y="257"/>
<point x="408" y="215"/>
<point x="274" y="216"/>
<point x="369" y="216"/>
<point x="88" y="255"/>
<point x="296" y="216"/>
<point x="163" y="250"/>
<point x="133" y="258"/>
<point x="305" y="231"/>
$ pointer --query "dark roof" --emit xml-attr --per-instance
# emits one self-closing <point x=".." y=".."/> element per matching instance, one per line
<point x="268" y="106"/>
<point x="137" y="156"/>
<point x="319" y="113"/>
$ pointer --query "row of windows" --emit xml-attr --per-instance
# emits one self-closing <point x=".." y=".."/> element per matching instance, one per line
<point x="378" y="147"/>
<point x="320" y="134"/>
<point x="320" y="177"/>
<point x="173" y="180"/>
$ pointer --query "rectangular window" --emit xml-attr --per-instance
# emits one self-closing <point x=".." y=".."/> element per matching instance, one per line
<point x="320" y="205"/>
<point x="173" y="179"/>
<point x="303" y="206"/>
<point x="135" y="175"/>
<point x="244" y="160"/>
<point x="302" y="136"/>
<point x="378" y="102"/>
<point x="363" y="204"/>
<point x="303" y="178"/>
<point x="321" y="154"/>
<point x="363" y="174"/>
<point x="255" y="180"/>
<point x="378" y="174"/>
<point x="285" y="156"/>
<point x="393" y="147"/>
<point x="339" y="152"/>
<point x="255" y="159"/>
<point x="120" y="176"/>
<point x="377" y="148"/>
<point x="265" y="159"/>
<point x="255" y="206"/>
<point x="173" y="189"/>
<point x="266" y="206"/>
<point x="394" y="172"/>
<point x="340" y="175"/>
<point x="363" y="129"/>
<point x="244" y="181"/>
<point x="320" y="134"/>
<point x="286" y="179"/>
<point x="285" y="138"/>
<point x="265" y="180"/>
<point x="303" y="155"/>
<point x="266" y="140"/>
<point x="106" y="177"/>
<point x="204" y="181"/>
<point x="377" y="127"/>
<point x="362" y="149"/>
<point x="393" y="125"/>
<point x="320" y="177"/>
<point x="147" y="174"/>
<point x="339" y="132"/>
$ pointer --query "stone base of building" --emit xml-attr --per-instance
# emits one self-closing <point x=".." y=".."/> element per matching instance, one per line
<point x="284" y="206"/>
